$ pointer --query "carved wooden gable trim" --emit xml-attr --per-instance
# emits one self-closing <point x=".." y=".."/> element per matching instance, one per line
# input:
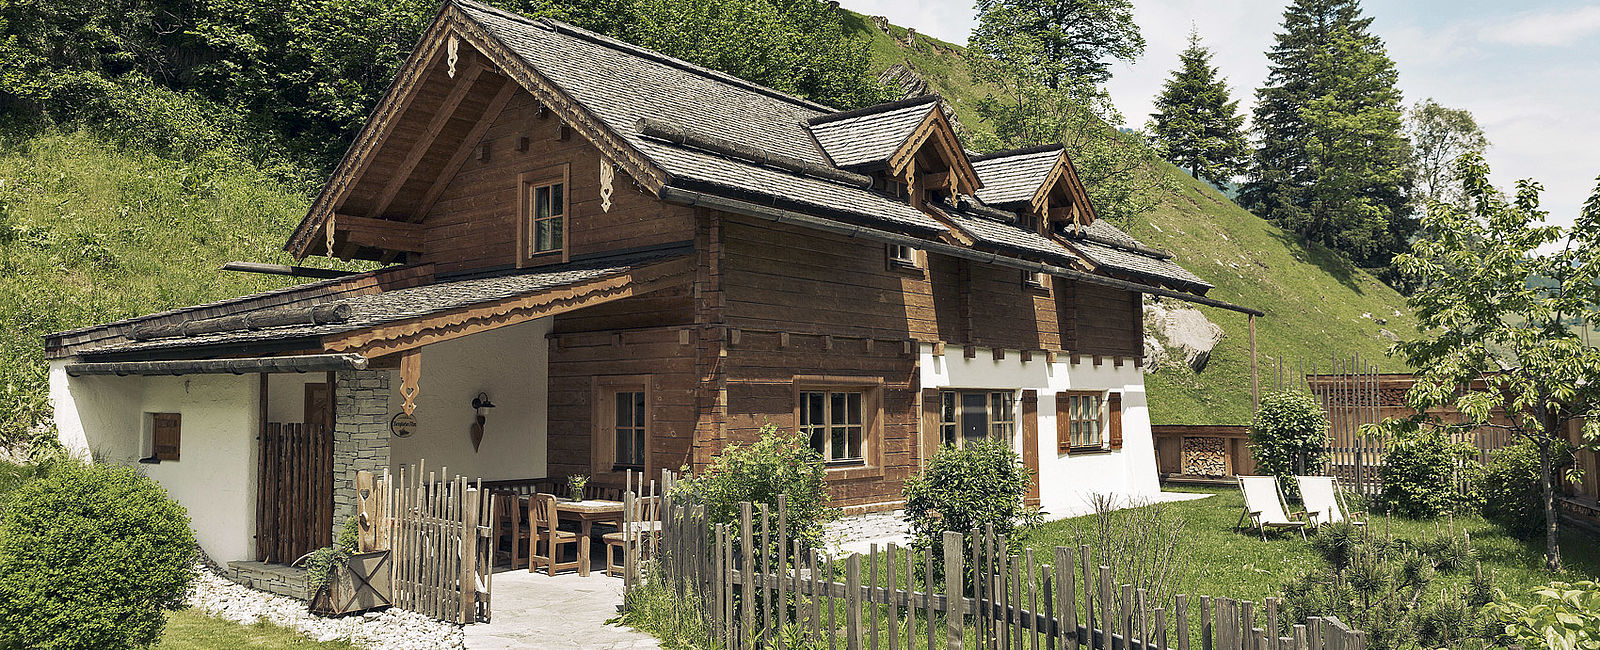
<point x="935" y="130"/>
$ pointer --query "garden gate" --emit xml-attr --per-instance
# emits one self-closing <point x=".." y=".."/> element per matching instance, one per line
<point x="437" y="533"/>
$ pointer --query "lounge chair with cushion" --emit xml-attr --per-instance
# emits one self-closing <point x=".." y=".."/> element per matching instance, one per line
<point x="1264" y="506"/>
<point x="1324" y="501"/>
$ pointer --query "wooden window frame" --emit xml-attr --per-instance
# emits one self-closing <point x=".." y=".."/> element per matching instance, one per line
<point x="527" y="183"/>
<point x="152" y="434"/>
<point x="603" y="436"/>
<point x="871" y="389"/>
<point x="1037" y="281"/>
<point x="992" y="426"/>
<point x="912" y="264"/>
<point x="1064" y="429"/>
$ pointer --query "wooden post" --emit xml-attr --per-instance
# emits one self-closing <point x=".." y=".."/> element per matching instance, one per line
<point x="747" y="591"/>
<point x="1181" y="603"/>
<point x="1255" y="379"/>
<point x="469" y="555"/>
<point x="894" y="598"/>
<point x="1066" y="600"/>
<point x="955" y="597"/>
<point x="852" y="601"/>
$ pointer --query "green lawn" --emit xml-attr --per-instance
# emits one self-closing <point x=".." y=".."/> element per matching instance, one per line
<point x="188" y="629"/>
<point x="1221" y="562"/>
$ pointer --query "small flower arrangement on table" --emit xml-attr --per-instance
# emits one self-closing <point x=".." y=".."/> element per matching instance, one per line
<point x="575" y="485"/>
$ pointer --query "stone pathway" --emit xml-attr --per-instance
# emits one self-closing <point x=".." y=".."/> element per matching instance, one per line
<point x="564" y="611"/>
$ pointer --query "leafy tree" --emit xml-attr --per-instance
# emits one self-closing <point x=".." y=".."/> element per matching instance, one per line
<point x="1075" y="37"/>
<point x="1332" y="164"/>
<point x="1289" y="436"/>
<point x="797" y="46"/>
<point x="1491" y="342"/>
<point x="1438" y="136"/>
<point x="1115" y="166"/>
<point x="1197" y="126"/>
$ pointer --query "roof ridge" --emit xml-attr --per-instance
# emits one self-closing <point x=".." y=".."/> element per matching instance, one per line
<point x="875" y="108"/>
<point x="1021" y="151"/>
<point x="569" y="29"/>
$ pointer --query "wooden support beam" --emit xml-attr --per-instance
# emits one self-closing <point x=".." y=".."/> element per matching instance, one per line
<point x="380" y="233"/>
<point x="999" y="353"/>
<point x="425" y="141"/>
<point x="468" y="144"/>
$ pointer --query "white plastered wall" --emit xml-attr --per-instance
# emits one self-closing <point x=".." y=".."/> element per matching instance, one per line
<point x="1065" y="481"/>
<point x="286" y="395"/>
<point x="214" y="478"/>
<point x="511" y="365"/>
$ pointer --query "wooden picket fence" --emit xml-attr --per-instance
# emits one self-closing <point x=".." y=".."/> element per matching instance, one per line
<point x="294" y="509"/>
<point x="978" y="596"/>
<point x="437" y="532"/>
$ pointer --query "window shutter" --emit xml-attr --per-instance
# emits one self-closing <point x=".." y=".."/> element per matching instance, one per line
<point x="1114" y="408"/>
<point x="1030" y="442"/>
<point x="1063" y="423"/>
<point x="930" y="424"/>
<point x="165" y="434"/>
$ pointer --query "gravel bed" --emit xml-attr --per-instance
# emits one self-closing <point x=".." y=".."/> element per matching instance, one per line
<point x="390" y="629"/>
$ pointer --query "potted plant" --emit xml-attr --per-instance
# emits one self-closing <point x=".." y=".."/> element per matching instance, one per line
<point x="344" y="581"/>
<point x="575" y="485"/>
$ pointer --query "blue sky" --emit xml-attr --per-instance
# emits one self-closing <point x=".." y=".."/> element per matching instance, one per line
<point x="1529" y="71"/>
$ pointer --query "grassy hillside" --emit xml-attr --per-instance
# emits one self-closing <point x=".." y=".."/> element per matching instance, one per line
<point x="1318" y="305"/>
<point x="92" y="232"/>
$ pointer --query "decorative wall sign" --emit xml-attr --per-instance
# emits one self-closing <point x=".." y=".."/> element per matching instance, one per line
<point x="402" y="425"/>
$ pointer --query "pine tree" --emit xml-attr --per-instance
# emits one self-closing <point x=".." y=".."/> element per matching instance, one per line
<point x="1197" y="126"/>
<point x="1332" y="163"/>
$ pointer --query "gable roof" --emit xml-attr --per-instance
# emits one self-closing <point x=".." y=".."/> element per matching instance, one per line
<point x="870" y="135"/>
<point x="1015" y="176"/>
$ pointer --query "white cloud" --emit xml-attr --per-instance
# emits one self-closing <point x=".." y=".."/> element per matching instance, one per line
<point x="1550" y="28"/>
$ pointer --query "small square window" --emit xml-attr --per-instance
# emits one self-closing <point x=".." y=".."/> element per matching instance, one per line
<point x="902" y="256"/>
<point x="163" y="433"/>
<point x="1036" y="279"/>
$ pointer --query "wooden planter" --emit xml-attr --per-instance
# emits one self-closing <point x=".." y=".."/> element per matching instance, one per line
<point x="362" y="584"/>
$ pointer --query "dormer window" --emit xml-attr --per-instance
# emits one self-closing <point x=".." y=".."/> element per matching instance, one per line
<point x="1028" y="221"/>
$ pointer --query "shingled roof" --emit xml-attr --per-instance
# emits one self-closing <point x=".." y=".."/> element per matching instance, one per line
<point x="1105" y="246"/>
<point x="366" y="310"/>
<point x="1014" y="176"/>
<point x="871" y="135"/>
<point x="621" y="83"/>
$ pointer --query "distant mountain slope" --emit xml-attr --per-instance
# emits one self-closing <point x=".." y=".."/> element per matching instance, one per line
<point x="1318" y="305"/>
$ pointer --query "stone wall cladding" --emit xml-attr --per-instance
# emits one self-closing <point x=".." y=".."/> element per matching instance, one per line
<point x="274" y="578"/>
<point x="360" y="434"/>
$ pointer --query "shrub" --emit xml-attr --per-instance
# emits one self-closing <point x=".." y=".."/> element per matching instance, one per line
<point x="1511" y="493"/>
<point x="1142" y="542"/>
<point x="972" y="487"/>
<point x="1381" y="585"/>
<point x="91" y="556"/>
<point x="1289" y="427"/>
<point x="1420" y="471"/>
<point x="780" y="462"/>
<point x="1565" y="616"/>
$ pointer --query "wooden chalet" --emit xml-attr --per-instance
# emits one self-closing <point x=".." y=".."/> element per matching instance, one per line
<point x="598" y="258"/>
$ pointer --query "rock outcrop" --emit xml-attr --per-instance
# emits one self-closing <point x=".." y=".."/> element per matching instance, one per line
<point x="1176" y="332"/>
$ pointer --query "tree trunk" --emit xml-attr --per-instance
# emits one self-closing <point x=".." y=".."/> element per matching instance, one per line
<point x="1552" y="549"/>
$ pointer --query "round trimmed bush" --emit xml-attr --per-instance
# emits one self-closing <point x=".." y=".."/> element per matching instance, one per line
<point x="1511" y="493"/>
<point x="1420" y="470"/>
<point x="1289" y="426"/>
<point x="971" y="487"/>
<point x="91" y="556"/>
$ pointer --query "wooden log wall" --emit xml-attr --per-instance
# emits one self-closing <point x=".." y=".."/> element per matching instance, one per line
<point x="475" y="222"/>
<point x="750" y="582"/>
<point x="294" y="513"/>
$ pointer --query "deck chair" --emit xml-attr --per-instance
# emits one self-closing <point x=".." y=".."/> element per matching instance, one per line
<point x="1264" y="506"/>
<point x="649" y="525"/>
<point x="1324" y="501"/>
<point x="547" y="533"/>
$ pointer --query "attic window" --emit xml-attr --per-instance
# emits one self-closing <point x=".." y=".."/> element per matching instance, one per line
<point x="901" y="256"/>
<point x="544" y="204"/>
<point x="1035" y="279"/>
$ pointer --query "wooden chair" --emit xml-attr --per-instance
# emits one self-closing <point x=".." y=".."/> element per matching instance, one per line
<point x="1264" y="506"/>
<point x="547" y="531"/>
<point x="648" y="525"/>
<point x="1324" y="501"/>
<point x="511" y="522"/>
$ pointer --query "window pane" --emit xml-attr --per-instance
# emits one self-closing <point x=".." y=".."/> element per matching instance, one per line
<point x="855" y="442"/>
<point x="817" y="440"/>
<point x="624" y="446"/>
<point x="541" y="203"/>
<point x="558" y="199"/>
<point x="638" y="408"/>
<point x="638" y="447"/>
<point x="557" y="237"/>
<point x="854" y="401"/>
<point x="838" y="443"/>
<point x="624" y="409"/>
<point x="838" y="407"/>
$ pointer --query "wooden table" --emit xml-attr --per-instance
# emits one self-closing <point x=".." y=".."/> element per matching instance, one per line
<point x="587" y="512"/>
